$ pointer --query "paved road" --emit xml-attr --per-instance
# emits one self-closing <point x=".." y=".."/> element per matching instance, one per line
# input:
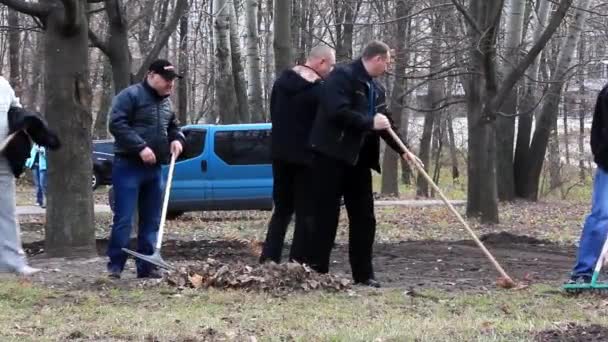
<point x="103" y="208"/>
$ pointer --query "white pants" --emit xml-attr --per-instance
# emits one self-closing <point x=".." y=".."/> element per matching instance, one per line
<point x="12" y="257"/>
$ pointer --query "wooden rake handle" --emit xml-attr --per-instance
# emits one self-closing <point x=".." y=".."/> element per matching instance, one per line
<point x="420" y="168"/>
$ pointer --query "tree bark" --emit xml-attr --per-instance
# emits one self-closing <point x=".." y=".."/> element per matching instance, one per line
<point x="433" y="100"/>
<point x="14" y="47"/>
<point x="531" y="95"/>
<point x="549" y="111"/>
<point x="69" y="232"/>
<point x="226" y="102"/>
<point x="100" y="130"/>
<point x="256" y="101"/>
<point x="240" y="85"/>
<point x="506" y="125"/>
<point x="390" y="163"/>
<point x="282" y="36"/>
<point x="182" y="86"/>
<point x="582" y="112"/>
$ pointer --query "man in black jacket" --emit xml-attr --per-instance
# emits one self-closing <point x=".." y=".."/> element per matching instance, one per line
<point x="293" y="106"/>
<point x="145" y="129"/>
<point x="345" y="137"/>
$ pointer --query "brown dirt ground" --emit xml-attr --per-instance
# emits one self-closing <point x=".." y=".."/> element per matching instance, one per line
<point x="447" y="265"/>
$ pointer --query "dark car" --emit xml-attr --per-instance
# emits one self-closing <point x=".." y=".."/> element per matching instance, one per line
<point x="103" y="157"/>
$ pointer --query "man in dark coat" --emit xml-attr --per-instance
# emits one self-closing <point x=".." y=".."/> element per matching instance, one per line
<point x="345" y="137"/>
<point x="293" y="107"/>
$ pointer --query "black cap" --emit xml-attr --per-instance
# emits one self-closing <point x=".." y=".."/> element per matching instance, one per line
<point x="164" y="68"/>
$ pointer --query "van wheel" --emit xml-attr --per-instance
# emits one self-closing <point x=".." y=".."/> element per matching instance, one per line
<point x="95" y="180"/>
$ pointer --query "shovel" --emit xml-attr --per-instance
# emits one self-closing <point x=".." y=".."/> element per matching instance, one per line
<point x="505" y="281"/>
<point x="155" y="258"/>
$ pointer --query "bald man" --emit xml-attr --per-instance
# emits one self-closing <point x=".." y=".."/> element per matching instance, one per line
<point x="293" y="106"/>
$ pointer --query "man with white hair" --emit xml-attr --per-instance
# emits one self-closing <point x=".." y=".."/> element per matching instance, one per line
<point x="293" y="106"/>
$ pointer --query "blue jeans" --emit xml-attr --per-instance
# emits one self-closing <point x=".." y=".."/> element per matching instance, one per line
<point x="134" y="184"/>
<point x="39" y="177"/>
<point x="595" y="229"/>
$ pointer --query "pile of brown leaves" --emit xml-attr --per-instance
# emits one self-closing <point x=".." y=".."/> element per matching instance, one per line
<point x="269" y="277"/>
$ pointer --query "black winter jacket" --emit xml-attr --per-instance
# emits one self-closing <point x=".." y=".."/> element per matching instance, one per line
<point x="599" y="130"/>
<point x="141" y="118"/>
<point x="27" y="124"/>
<point x="293" y="107"/>
<point x="343" y="127"/>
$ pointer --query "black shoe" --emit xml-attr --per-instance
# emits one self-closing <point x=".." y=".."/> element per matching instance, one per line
<point x="114" y="275"/>
<point x="154" y="274"/>
<point x="369" y="282"/>
<point x="581" y="279"/>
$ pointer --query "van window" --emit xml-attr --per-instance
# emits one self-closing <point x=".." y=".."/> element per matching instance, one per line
<point x="195" y="144"/>
<point x="243" y="147"/>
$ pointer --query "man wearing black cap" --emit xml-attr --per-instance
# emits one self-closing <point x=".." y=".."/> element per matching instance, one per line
<point x="145" y="130"/>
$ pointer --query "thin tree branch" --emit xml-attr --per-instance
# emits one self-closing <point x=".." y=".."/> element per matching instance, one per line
<point x="32" y="8"/>
<point x="467" y="16"/>
<point x="180" y="7"/>
<point x="525" y="62"/>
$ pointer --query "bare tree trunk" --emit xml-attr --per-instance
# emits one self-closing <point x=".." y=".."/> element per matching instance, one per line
<point x="38" y="72"/>
<point x="256" y="101"/>
<point x="162" y="19"/>
<point x="582" y="98"/>
<point x="296" y="34"/>
<point x="549" y="111"/>
<point x="14" y="46"/>
<point x="226" y="102"/>
<point x="282" y="36"/>
<point x="524" y="127"/>
<point x="506" y="125"/>
<point x="453" y="150"/>
<point x="390" y="184"/>
<point x="100" y="130"/>
<point x="566" y="107"/>
<point x="554" y="162"/>
<point x="268" y="56"/>
<point x="182" y="87"/>
<point x="434" y="98"/>
<point x="240" y="85"/>
<point x="69" y="232"/>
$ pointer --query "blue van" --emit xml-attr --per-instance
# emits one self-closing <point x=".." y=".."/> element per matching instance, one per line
<point x="222" y="167"/>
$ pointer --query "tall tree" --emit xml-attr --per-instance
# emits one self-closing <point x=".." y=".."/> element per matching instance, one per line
<point x="528" y="103"/>
<point x="505" y="132"/>
<point x="182" y="86"/>
<point x="240" y="85"/>
<point x="390" y="184"/>
<point x="67" y="232"/>
<point x="116" y="47"/>
<point x="14" y="48"/>
<point x="256" y="101"/>
<point x="283" y="54"/>
<point x="485" y="96"/>
<point x="226" y="102"/>
<point x="548" y="114"/>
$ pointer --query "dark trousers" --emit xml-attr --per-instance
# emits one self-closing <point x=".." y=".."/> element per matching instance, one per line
<point x="291" y="194"/>
<point x="134" y="185"/>
<point x="334" y="179"/>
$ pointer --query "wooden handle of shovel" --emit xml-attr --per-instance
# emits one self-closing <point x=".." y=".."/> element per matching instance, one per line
<point x="420" y="169"/>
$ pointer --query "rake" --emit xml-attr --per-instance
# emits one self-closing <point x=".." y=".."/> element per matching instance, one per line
<point x="155" y="258"/>
<point x="505" y="281"/>
<point x="594" y="286"/>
